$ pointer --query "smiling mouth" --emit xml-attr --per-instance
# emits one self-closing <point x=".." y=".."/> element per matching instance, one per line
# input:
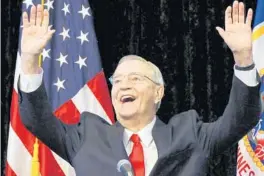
<point x="127" y="99"/>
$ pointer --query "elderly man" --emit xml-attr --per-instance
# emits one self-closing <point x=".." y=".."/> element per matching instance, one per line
<point x="182" y="147"/>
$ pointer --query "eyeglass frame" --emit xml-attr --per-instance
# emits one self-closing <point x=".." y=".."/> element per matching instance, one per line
<point x="133" y="73"/>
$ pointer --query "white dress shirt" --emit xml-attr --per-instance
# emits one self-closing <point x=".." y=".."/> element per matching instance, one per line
<point x="149" y="147"/>
<point x="30" y="83"/>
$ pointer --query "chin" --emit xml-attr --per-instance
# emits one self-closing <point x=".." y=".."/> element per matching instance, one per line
<point x="127" y="110"/>
<point x="126" y="115"/>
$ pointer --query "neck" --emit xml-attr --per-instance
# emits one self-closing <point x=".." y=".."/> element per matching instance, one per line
<point x="135" y="124"/>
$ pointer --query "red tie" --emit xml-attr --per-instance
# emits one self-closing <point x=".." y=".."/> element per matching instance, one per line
<point x="137" y="156"/>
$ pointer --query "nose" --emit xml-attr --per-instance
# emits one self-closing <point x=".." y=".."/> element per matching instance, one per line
<point x="125" y="84"/>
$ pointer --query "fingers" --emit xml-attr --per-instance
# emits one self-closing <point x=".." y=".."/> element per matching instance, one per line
<point x="249" y="17"/>
<point x="39" y="15"/>
<point x="33" y="15"/>
<point x="45" y="22"/>
<point x="235" y="12"/>
<point x="49" y="28"/>
<point x="238" y="14"/>
<point x="228" y="16"/>
<point x="221" y="32"/>
<point x="49" y="34"/>
<point x="25" y="20"/>
<point x="241" y="15"/>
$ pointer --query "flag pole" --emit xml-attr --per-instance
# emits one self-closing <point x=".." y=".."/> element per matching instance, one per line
<point x="35" y="165"/>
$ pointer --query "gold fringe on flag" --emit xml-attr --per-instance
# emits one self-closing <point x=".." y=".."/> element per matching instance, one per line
<point x="35" y="160"/>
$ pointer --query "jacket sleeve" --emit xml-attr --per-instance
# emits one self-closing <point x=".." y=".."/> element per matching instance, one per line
<point x="36" y="114"/>
<point x="240" y="116"/>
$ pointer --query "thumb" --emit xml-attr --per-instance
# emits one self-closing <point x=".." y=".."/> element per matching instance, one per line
<point x="221" y="32"/>
<point x="49" y="34"/>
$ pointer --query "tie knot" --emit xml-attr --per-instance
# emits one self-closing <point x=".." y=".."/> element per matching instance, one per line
<point x="135" y="138"/>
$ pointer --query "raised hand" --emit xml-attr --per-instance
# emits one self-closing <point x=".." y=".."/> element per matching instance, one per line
<point x="36" y="32"/>
<point x="35" y="35"/>
<point x="238" y="34"/>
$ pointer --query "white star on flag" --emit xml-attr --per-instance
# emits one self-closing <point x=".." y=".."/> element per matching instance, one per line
<point x="49" y="4"/>
<point x="59" y="84"/>
<point x="66" y="9"/>
<point x="45" y="54"/>
<point x="28" y="3"/>
<point x="83" y="37"/>
<point x="84" y="11"/>
<point x="62" y="59"/>
<point x="81" y="62"/>
<point x="65" y="33"/>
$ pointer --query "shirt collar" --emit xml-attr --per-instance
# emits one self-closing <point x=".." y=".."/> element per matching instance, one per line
<point x="145" y="134"/>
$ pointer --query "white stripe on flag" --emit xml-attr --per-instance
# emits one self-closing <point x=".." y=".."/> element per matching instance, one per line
<point x="16" y="147"/>
<point x="17" y="71"/>
<point x="18" y="157"/>
<point x="85" y="100"/>
<point x="65" y="166"/>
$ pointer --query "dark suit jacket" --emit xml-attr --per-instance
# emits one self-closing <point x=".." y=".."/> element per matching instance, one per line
<point x="93" y="147"/>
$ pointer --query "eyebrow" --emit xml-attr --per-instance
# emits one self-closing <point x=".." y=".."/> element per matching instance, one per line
<point x="115" y="75"/>
<point x="139" y="73"/>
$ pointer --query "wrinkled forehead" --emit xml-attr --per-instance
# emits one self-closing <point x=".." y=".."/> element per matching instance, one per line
<point x="133" y="66"/>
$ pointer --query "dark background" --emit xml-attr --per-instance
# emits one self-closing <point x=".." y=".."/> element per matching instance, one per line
<point x="177" y="35"/>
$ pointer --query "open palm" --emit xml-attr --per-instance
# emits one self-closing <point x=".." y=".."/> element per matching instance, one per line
<point x="36" y="32"/>
<point x="237" y="33"/>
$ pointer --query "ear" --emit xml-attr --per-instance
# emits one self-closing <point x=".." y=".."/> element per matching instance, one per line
<point x="159" y="93"/>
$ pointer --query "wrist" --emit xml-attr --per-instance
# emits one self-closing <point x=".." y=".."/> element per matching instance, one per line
<point x="243" y="59"/>
<point x="245" y="63"/>
<point x="30" y="63"/>
<point x="30" y="69"/>
<point x="29" y="56"/>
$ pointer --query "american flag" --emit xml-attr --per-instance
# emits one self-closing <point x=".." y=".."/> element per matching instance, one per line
<point x="74" y="81"/>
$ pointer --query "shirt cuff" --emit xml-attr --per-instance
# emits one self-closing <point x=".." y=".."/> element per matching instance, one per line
<point x="247" y="76"/>
<point x="30" y="82"/>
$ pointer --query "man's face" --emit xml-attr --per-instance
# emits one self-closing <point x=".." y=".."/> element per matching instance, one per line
<point x="133" y="93"/>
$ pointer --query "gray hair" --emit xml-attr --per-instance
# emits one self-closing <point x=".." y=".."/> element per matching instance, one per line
<point x="157" y="76"/>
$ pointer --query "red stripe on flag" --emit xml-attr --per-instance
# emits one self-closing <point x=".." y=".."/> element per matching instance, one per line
<point x="9" y="171"/>
<point x="24" y="135"/>
<point x="48" y="163"/>
<point x="68" y="113"/>
<point x="100" y="89"/>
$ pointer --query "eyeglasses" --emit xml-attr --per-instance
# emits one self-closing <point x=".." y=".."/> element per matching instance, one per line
<point x="134" y="78"/>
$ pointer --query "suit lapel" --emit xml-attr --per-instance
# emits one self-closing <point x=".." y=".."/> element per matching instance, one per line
<point x="162" y="136"/>
<point x="115" y="138"/>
